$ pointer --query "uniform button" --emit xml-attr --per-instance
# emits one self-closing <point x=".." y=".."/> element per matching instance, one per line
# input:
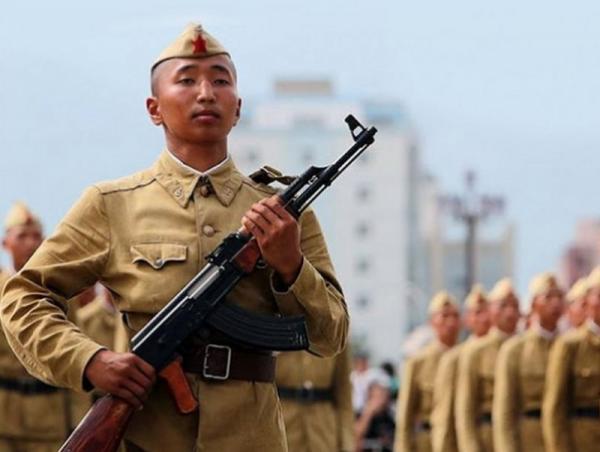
<point x="204" y="190"/>
<point x="307" y="384"/>
<point x="208" y="230"/>
<point x="158" y="261"/>
<point x="178" y="192"/>
<point x="586" y="372"/>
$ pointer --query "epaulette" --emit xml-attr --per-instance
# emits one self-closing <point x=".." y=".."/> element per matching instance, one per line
<point x="268" y="174"/>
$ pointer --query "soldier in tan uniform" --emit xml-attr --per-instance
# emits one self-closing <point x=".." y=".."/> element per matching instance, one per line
<point x="33" y="416"/>
<point x="521" y="372"/>
<point x="477" y="321"/>
<point x="576" y="303"/>
<point x="413" y="423"/>
<point x="571" y="409"/>
<point x="145" y="236"/>
<point x="316" y="396"/>
<point x="475" y="384"/>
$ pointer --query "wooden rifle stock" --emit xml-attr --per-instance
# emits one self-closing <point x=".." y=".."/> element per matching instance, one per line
<point x="102" y="429"/>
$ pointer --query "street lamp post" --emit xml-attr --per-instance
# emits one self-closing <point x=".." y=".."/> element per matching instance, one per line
<point x="471" y="209"/>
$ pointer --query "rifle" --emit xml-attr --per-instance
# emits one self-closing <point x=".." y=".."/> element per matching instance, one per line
<point x="200" y="303"/>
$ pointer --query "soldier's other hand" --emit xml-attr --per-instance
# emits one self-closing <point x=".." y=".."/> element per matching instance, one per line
<point x="124" y="375"/>
<point x="278" y="236"/>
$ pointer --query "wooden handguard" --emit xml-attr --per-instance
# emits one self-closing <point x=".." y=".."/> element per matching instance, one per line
<point x="179" y="387"/>
<point x="102" y="429"/>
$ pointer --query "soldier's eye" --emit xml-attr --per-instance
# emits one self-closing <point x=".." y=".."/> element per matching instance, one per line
<point x="186" y="81"/>
<point x="222" y="81"/>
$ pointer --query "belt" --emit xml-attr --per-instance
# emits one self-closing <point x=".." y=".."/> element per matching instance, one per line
<point x="26" y="386"/>
<point x="535" y="413"/>
<point x="593" y="412"/>
<point x="222" y="362"/>
<point x="306" y="395"/>
<point x="485" y="418"/>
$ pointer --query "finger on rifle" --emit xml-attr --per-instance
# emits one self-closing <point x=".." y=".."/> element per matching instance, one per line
<point x="267" y="212"/>
<point x="145" y="368"/>
<point x="128" y="396"/>
<point x="136" y="389"/>
<point x="258" y="221"/>
<point x="140" y="379"/>
<point x="251" y="227"/>
<point x="274" y="203"/>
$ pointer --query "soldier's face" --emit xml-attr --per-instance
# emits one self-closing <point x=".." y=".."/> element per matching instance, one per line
<point x="593" y="304"/>
<point x="21" y="242"/>
<point x="576" y="312"/>
<point x="446" y="324"/>
<point x="549" y="308"/>
<point x="195" y="100"/>
<point x="505" y="313"/>
<point x="478" y="320"/>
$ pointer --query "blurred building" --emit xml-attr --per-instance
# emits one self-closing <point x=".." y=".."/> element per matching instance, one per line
<point x="495" y="260"/>
<point x="582" y="254"/>
<point x="372" y="217"/>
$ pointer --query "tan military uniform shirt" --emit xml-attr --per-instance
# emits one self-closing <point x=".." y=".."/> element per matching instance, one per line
<point x="573" y="384"/>
<point x="322" y="426"/>
<point x="443" y="432"/>
<point x="144" y="237"/>
<point x="413" y="423"/>
<point x="518" y="392"/>
<point x="475" y="391"/>
<point x="28" y="421"/>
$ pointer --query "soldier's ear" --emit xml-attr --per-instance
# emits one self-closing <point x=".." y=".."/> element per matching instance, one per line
<point x="154" y="111"/>
<point x="238" y="112"/>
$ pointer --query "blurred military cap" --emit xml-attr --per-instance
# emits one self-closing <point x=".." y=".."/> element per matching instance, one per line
<point x="476" y="297"/>
<point x="541" y="284"/>
<point x="20" y="215"/>
<point x="439" y="301"/>
<point x="578" y="290"/>
<point x="593" y="280"/>
<point x="501" y="290"/>
<point x="194" y="42"/>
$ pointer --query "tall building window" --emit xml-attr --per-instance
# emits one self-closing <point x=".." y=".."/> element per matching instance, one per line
<point x="363" y="265"/>
<point x="362" y="229"/>
<point x="363" y="193"/>
<point x="363" y="302"/>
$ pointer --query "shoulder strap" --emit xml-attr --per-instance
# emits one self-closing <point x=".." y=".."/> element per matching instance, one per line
<point x="268" y="174"/>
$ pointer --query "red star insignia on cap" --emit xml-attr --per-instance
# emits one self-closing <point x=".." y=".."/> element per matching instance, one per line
<point x="199" y="44"/>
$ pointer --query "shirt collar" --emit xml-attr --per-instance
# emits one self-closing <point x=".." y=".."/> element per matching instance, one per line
<point x="194" y="170"/>
<point x="180" y="180"/>
<point x="544" y="333"/>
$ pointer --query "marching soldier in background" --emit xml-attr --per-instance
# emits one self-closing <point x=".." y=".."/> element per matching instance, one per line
<point x="521" y="372"/>
<point x="316" y="396"/>
<point x="477" y="321"/>
<point x="571" y="409"/>
<point x="475" y="384"/>
<point x="413" y="412"/>
<point x="33" y="415"/>
<point x="576" y="314"/>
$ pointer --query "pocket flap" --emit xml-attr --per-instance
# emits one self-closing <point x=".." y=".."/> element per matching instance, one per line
<point x="158" y="254"/>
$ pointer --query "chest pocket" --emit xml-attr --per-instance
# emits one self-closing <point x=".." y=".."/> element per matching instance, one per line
<point x="157" y="255"/>
<point x="532" y="385"/>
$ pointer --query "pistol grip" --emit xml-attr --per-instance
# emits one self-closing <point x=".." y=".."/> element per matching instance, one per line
<point x="179" y="387"/>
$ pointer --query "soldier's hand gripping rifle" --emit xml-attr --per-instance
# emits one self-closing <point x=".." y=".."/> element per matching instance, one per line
<point x="200" y="303"/>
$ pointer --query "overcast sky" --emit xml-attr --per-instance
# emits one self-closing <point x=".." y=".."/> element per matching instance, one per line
<point x="509" y="89"/>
